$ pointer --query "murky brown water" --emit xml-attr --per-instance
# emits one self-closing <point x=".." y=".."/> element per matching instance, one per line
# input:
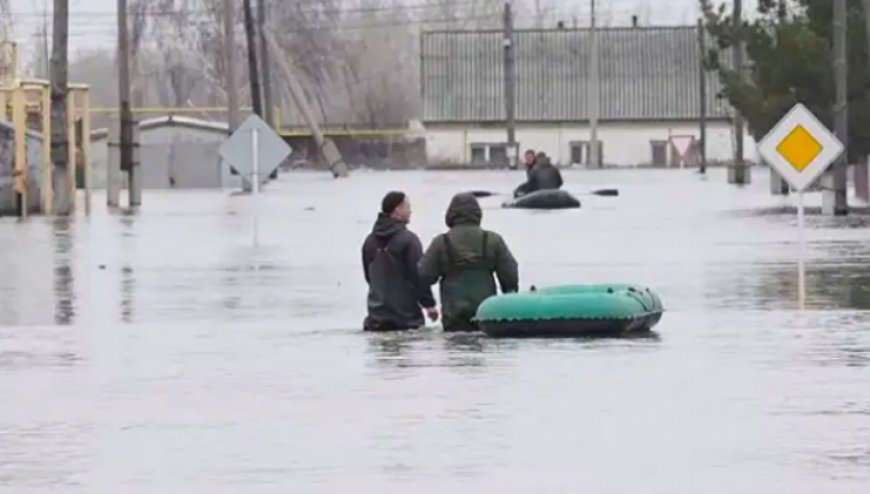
<point x="159" y="352"/>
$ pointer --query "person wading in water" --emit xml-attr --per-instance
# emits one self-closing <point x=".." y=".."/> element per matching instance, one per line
<point x="464" y="260"/>
<point x="390" y="255"/>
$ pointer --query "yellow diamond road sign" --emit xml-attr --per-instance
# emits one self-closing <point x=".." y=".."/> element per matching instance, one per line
<point x="800" y="148"/>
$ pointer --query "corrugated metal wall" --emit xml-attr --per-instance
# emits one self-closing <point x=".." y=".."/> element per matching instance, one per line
<point x="8" y="196"/>
<point x="645" y="74"/>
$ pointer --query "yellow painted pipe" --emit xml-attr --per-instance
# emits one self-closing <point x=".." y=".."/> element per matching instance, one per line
<point x="166" y="109"/>
<point x="71" y="147"/>
<point x="47" y="183"/>
<point x="86" y="146"/>
<point x="19" y="123"/>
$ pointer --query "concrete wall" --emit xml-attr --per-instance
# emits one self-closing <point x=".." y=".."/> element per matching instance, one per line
<point x="172" y="156"/>
<point x="624" y="144"/>
<point x="8" y="196"/>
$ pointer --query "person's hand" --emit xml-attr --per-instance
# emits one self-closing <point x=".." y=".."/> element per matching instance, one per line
<point x="432" y="312"/>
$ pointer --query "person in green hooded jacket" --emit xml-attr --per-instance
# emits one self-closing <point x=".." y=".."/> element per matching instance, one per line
<point x="464" y="260"/>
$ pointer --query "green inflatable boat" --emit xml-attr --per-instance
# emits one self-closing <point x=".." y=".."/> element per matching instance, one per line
<point x="544" y="199"/>
<point x="571" y="311"/>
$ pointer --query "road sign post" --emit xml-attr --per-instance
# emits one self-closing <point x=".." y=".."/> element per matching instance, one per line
<point x="255" y="182"/>
<point x="255" y="151"/>
<point x="271" y="149"/>
<point x="800" y="149"/>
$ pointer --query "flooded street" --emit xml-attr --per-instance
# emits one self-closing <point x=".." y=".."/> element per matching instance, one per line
<point x="161" y="352"/>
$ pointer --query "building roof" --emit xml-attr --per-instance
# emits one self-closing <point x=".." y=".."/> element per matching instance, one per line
<point x="172" y="120"/>
<point x="645" y="73"/>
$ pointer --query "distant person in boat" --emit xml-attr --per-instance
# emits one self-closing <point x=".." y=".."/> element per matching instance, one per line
<point x="542" y="176"/>
<point x="529" y="159"/>
<point x="390" y="255"/>
<point x="464" y="260"/>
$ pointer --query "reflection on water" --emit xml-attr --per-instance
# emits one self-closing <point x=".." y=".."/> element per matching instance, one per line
<point x="64" y="283"/>
<point x="128" y="294"/>
<point x="157" y="350"/>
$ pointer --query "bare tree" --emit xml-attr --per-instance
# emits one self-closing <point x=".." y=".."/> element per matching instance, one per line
<point x="357" y="62"/>
<point x="138" y="13"/>
<point x="6" y="31"/>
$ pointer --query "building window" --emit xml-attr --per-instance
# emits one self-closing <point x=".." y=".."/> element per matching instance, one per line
<point x="489" y="153"/>
<point x="478" y="154"/>
<point x="659" y="151"/>
<point x="498" y="155"/>
<point x="580" y="152"/>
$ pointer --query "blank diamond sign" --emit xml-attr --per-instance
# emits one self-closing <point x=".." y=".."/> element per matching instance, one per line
<point x="271" y="149"/>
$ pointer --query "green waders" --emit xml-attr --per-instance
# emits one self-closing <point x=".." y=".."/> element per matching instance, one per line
<point x="463" y="288"/>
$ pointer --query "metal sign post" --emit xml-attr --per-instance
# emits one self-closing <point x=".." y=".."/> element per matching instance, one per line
<point x="800" y="149"/>
<point x="255" y="181"/>
<point x="255" y="151"/>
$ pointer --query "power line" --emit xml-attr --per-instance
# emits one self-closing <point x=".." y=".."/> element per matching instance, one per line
<point x="336" y="27"/>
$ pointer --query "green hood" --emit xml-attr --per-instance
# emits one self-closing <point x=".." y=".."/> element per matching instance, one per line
<point x="463" y="210"/>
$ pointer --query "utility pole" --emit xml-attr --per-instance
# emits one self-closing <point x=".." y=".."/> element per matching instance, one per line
<point x="59" y="135"/>
<point x="702" y="96"/>
<point x="253" y="74"/>
<point x="509" y="85"/>
<point x="841" y="115"/>
<point x="328" y="150"/>
<point x="862" y="173"/>
<point x="264" y="63"/>
<point x="45" y="67"/>
<point x="126" y="115"/>
<point x="738" y="172"/>
<point x="230" y="59"/>
<point x="594" y="148"/>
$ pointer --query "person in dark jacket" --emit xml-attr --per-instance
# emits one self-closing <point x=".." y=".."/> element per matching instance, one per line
<point x="390" y="255"/>
<point x="544" y="175"/>
<point x="529" y="161"/>
<point x="464" y="260"/>
<point x="541" y="176"/>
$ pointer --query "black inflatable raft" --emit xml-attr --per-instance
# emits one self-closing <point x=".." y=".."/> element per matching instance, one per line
<point x="544" y="199"/>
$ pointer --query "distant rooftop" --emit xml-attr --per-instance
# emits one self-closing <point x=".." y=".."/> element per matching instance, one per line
<point x="645" y="73"/>
<point x="171" y="120"/>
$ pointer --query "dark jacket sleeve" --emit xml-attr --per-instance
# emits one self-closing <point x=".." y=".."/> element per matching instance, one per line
<point x="532" y="184"/>
<point x="506" y="269"/>
<point x="413" y="254"/>
<point x="366" y="258"/>
<point x="429" y="267"/>
<point x="559" y="181"/>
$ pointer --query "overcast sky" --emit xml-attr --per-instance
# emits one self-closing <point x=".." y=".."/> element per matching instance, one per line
<point x="92" y="22"/>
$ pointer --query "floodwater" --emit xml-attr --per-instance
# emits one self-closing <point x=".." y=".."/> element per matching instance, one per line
<point x="162" y="352"/>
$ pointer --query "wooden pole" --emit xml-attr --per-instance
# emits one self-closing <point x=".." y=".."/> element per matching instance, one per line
<point x="253" y="75"/>
<point x="59" y="82"/>
<point x="265" y="70"/>
<point x="739" y="173"/>
<point x="230" y="59"/>
<point x="326" y="147"/>
<point x="509" y="84"/>
<point x="594" y="96"/>
<point x="841" y="108"/>
<point x="126" y="116"/>
<point x="702" y="103"/>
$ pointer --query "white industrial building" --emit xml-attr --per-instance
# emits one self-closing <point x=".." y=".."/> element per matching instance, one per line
<point x="649" y="97"/>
